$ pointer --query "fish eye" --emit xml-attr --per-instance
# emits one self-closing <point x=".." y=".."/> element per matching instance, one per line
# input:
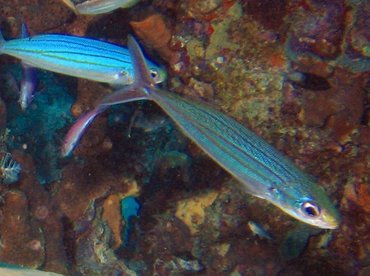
<point x="310" y="209"/>
<point x="153" y="74"/>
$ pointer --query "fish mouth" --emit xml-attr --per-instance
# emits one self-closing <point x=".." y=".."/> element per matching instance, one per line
<point x="326" y="221"/>
<point x="331" y="226"/>
<point x="332" y="222"/>
<point x="322" y="224"/>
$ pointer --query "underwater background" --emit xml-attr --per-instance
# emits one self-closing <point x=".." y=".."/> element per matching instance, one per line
<point x="139" y="198"/>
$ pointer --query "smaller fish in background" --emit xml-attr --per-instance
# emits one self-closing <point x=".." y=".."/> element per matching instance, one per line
<point x="28" y="82"/>
<point x="258" y="230"/>
<point x="9" y="169"/>
<point x="188" y="264"/>
<point x="93" y="7"/>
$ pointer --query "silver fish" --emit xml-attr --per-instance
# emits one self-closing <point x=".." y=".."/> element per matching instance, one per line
<point x="261" y="169"/>
<point x="258" y="230"/>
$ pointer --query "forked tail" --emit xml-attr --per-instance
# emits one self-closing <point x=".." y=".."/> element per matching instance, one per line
<point x="139" y="90"/>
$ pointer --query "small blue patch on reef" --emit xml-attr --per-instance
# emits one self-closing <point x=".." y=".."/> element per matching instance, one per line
<point x="39" y="125"/>
<point x="130" y="208"/>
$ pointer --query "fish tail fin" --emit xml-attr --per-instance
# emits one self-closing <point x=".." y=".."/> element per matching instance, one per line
<point x="142" y="73"/>
<point x="75" y="133"/>
<point x="137" y="90"/>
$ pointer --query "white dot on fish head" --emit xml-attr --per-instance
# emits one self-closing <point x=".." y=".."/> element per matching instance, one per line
<point x="24" y="146"/>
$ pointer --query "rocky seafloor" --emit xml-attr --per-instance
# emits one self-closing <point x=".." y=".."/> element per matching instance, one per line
<point x="139" y="198"/>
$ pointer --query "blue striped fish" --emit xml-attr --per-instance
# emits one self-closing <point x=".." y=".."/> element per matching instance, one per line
<point x="77" y="56"/>
<point x="261" y="169"/>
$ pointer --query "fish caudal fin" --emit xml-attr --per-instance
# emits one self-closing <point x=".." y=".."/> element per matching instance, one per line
<point x="77" y="130"/>
<point x="142" y="74"/>
<point x="137" y="90"/>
